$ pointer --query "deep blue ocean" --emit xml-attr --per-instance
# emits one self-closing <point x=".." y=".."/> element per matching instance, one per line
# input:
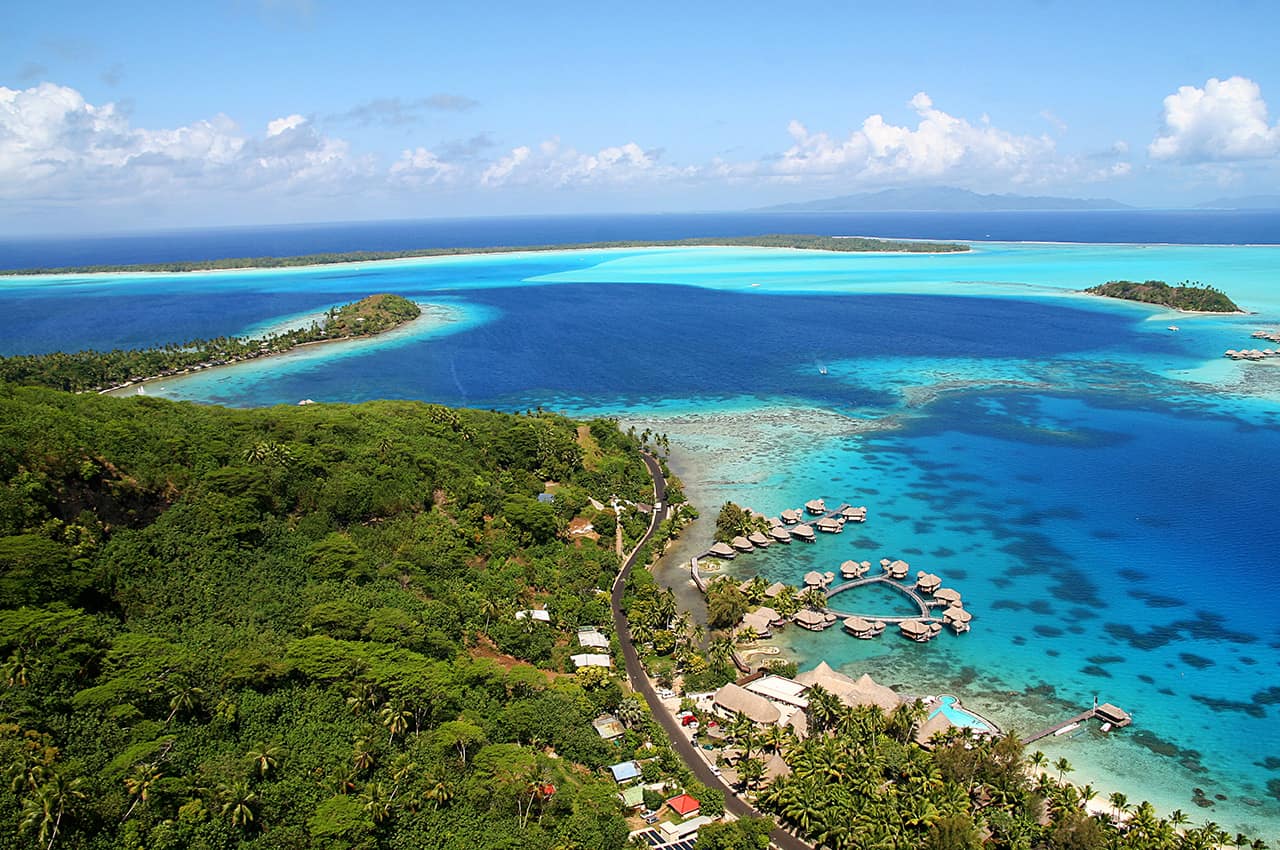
<point x="1101" y="488"/>
<point x="1218" y="227"/>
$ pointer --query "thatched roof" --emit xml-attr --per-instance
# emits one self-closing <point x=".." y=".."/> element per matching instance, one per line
<point x="790" y="515"/>
<point x="780" y="533"/>
<point x="775" y="768"/>
<point x="774" y="589"/>
<point x="809" y="617"/>
<point x="803" y="531"/>
<point x="912" y="628"/>
<point x="928" y="582"/>
<point x="816" y="506"/>
<point x="758" y="539"/>
<point x="828" y="524"/>
<point x="742" y="544"/>
<point x="861" y="691"/>
<point x="857" y="624"/>
<point x="946" y="594"/>
<point x="722" y="550"/>
<point x="932" y="726"/>
<point x="958" y="615"/>
<point x="734" y="699"/>
<point x="813" y="578"/>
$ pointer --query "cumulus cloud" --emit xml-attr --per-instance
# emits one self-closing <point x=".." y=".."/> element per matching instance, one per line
<point x="938" y="146"/>
<point x="1222" y="122"/>
<point x="554" y="164"/>
<point x="54" y="144"/>
<point x="421" y="167"/>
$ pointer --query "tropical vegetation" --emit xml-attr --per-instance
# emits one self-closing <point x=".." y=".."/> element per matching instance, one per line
<point x="295" y="627"/>
<point x="1188" y="295"/>
<point x="95" y="371"/>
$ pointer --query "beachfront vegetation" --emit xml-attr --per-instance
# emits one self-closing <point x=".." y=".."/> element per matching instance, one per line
<point x="734" y="521"/>
<point x="1191" y="296"/>
<point x="861" y="779"/>
<point x="669" y="643"/>
<point x="92" y="371"/>
<point x="806" y="242"/>
<point x="295" y="627"/>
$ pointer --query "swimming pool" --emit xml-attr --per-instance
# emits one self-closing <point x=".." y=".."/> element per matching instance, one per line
<point x="951" y="709"/>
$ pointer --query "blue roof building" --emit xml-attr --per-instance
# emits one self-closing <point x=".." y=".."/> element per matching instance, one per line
<point x="624" y="770"/>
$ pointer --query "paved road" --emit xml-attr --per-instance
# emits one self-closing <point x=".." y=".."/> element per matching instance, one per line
<point x="640" y="680"/>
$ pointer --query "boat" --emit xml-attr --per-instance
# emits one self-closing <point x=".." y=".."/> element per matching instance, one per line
<point x="1106" y="727"/>
<point x="1070" y="727"/>
<point x="822" y="370"/>
<point x="1174" y="328"/>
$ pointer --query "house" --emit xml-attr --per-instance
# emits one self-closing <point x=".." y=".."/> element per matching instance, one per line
<point x="685" y="806"/>
<point x="542" y="615"/>
<point x="591" y="659"/>
<point x="608" y="727"/>
<point x="632" y="796"/>
<point x="592" y="638"/>
<point x="624" y="771"/>
<point x="546" y="498"/>
<point x="779" y="689"/>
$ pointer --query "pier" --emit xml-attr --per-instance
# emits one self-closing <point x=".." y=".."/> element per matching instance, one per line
<point x="862" y="582"/>
<point x="1106" y="712"/>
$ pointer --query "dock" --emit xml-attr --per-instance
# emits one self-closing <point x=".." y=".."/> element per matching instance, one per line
<point x="1106" y="712"/>
<point x="910" y="593"/>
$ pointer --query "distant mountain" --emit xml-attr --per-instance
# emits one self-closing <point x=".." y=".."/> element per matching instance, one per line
<point x="944" y="199"/>
<point x="1248" y="202"/>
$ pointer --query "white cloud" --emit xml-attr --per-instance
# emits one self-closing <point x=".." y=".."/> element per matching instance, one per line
<point x="421" y="167"/>
<point x="1224" y="121"/>
<point x="553" y="164"/>
<point x="54" y="145"/>
<point x="939" y="146"/>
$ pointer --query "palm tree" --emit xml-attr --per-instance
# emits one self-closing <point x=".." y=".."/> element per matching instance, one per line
<point x="750" y="772"/>
<point x="364" y="696"/>
<point x="377" y="803"/>
<point x="747" y="634"/>
<point x="239" y="802"/>
<point x="396" y="718"/>
<point x="1038" y="759"/>
<point x="1063" y="767"/>
<point x="824" y="708"/>
<point x="814" y="598"/>
<point x="439" y="793"/>
<point x="629" y="711"/>
<point x="17" y="669"/>
<point x="786" y="603"/>
<point x="1119" y="802"/>
<point x="43" y="811"/>
<point x="362" y="756"/>
<point x="720" y="651"/>
<point x="183" y="699"/>
<point x="139" y="784"/>
<point x="265" y="758"/>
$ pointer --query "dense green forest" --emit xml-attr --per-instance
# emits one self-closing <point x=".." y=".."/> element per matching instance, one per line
<point x="1195" y="297"/>
<point x="771" y="240"/>
<point x="294" y="627"/>
<point x="92" y="371"/>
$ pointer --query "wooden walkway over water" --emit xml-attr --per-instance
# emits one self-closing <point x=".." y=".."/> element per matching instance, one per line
<point x="909" y="592"/>
<point x="1106" y="712"/>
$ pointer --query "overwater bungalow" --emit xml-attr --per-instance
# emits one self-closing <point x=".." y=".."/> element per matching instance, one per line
<point x="742" y="544"/>
<point x="758" y="539"/>
<point x="828" y="577"/>
<point x="830" y="525"/>
<point x="790" y="516"/>
<point x="773" y="590"/>
<point x="927" y="582"/>
<point x="814" y="621"/>
<point x="947" y="595"/>
<point x="722" y="550"/>
<point x="804" y="532"/>
<point x="917" y="630"/>
<point x="813" y="578"/>
<point x="852" y="514"/>
<point x="853" y="569"/>
<point x="859" y="628"/>
<point x="773" y="521"/>
<point x="898" y="569"/>
<point x="816" y="507"/>
<point x="1112" y="714"/>
<point x="957" y="618"/>
<point x="780" y="534"/>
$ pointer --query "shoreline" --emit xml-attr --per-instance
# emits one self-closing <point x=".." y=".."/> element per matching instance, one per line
<point x="140" y="383"/>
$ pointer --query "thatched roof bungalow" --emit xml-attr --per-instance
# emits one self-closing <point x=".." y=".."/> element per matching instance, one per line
<point x="829" y="525"/>
<point x="722" y="550"/>
<point x="814" y="621"/>
<point x="813" y="578"/>
<point x="927" y="582"/>
<point x="804" y="532"/>
<point x="917" y="630"/>
<point x="790" y="516"/>
<point x="758" y="539"/>
<point x="780" y="534"/>
<point x="815" y="506"/>
<point x="859" y="627"/>
<point x="852" y="514"/>
<point x="861" y="691"/>
<point x="741" y="544"/>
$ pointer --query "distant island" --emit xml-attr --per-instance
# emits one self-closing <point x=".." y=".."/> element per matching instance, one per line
<point x="807" y="242"/>
<point x="103" y="371"/>
<point x="1186" y="296"/>
<point x="943" y="199"/>
<point x="1247" y="202"/>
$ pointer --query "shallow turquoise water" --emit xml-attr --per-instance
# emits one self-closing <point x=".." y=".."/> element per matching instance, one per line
<point x="1101" y="489"/>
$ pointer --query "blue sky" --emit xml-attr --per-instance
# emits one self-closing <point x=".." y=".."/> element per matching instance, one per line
<point x="135" y="114"/>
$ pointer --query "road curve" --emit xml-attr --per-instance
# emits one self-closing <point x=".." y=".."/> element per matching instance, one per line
<point x="640" y="680"/>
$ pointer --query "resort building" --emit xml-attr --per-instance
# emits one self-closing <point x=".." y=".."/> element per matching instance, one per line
<point x="957" y="618"/>
<point x="722" y="550"/>
<point x="816" y="507"/>
<point x="762" y="620"/>
<point x="918" y="630"/>
<point x="935" y="725"/>
<point x="852" y="514"/>
<point x="772" y="591"/>
<point x="780" y="534"/>
<point x="790" y="516"/>
<point x="927" y="582"/>
<point x="860" y="627"/>
<point x="813" y="578"/>
<point x="757" y="539"/>
<point x="803" y="532"/>
<point x="861" y="691"/>
<point x="1112" y="714"/>
<point x="947" y="596"/>
<point x="741" y="544"/>
<point x="779" y="690"/>
<point x="733" y="699"/>
<point x="854" y="569"/>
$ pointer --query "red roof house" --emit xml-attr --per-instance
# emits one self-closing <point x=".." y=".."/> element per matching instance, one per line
<point x="684" y="805"/>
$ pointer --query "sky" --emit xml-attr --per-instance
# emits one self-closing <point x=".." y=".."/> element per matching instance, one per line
<point x="134" y="115"/>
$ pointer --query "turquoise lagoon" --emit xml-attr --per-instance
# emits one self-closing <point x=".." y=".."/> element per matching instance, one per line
<point x="1101" y="489"/>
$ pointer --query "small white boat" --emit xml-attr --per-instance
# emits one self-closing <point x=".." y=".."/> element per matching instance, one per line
<point x="1174" y="328"/>
<point x="1070" y="727"/>
<point x="1106" y="727"/>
